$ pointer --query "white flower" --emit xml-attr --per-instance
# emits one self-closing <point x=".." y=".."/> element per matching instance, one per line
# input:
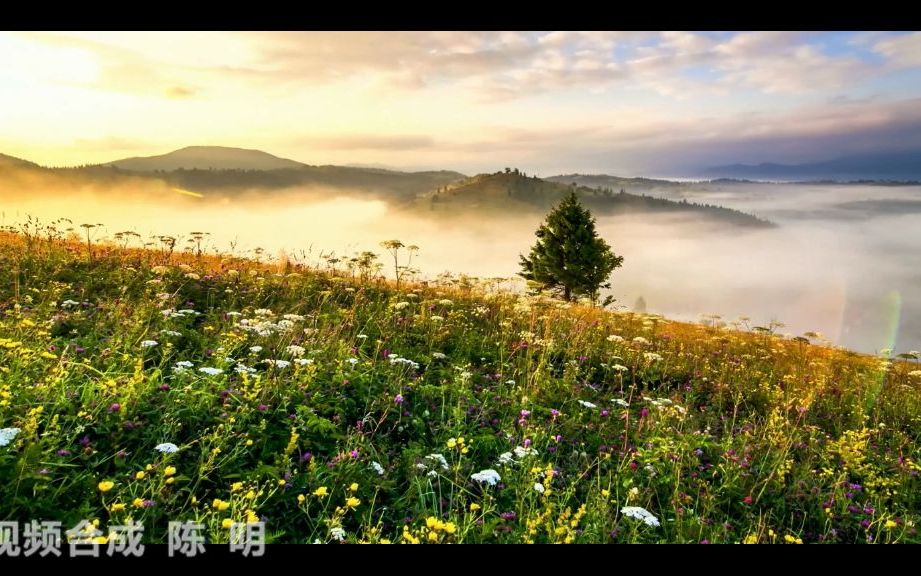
<point x="400" y="305"/>
<point x="438" y="356"/>
<point x="255" y="349"/>
<point x="362" y="336"/>
<point x="640" y="514"/>
<point x="188" y="312"/>
<point x="293" y="317"/>
<point x="640" y="340"/>
<point x="337" y="533"/>
<point x="440" y="459"/>
<point x="263" y="312"/>
<point x="521" y="452"/>
<point x="234" y="314"/>
<point x="303" y="361"/>
<point x="170" y="333"/>
<point x="240" y="368"/>
<point x="915" y="373"/>
<point x="437" y="318"/>
<point x="489" y="476"/>
<point x="149" y="343"/>
<point x="432" y="474"/>
<point x="619" y="368"/>
<point x="352" y="361"/>
<point x="280" y="363"/>
<point x="7" y="435"/>
<point x="538" y="487"/>
<point x="506" y="458"/>
<point x="615" y="338"/>
<point x="446" y="302"/>
<point x="69" y="303"/>
<point x="166" y="448"/>
<point x="211" y="371"/>
<point x="295" y="350"/>
<point x="378" y="468"/>
<point x="652" y="356"/>
<point x="620" y="402"/>
<point x="587" y="404"/>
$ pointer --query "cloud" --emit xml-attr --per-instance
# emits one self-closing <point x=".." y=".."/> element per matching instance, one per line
<point x="398" y="142"/>
<point x="903" y="51"/>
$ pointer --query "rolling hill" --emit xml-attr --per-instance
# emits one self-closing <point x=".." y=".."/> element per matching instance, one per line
<point x="206" y="158"/>
<point x="511" y="192"/>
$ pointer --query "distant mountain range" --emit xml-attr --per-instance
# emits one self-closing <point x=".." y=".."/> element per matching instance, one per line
<point x="903" y="166"/>
<point x="208" y="172"/>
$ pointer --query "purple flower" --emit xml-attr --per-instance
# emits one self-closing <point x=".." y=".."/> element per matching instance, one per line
<point x="554" y="413"/>
<point x="149" y="504"/>
<point x="115" y="407"/>
<point x="263" y="408"/>
<point x="398" y="399"/>
<point x="527" y="442"/>
<point x="644" y="413"/>
<point x="85" y="441"/>
<point x="306" y="457"/>
<point x="354" y="453"/>
<point x="604" y="413"/>
<point x="508" y="516"/>
<point x="164" y="387"/>
<point x="63" y="452"/>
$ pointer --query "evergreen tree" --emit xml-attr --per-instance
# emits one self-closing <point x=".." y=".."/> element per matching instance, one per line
<point x="569" y="258"/>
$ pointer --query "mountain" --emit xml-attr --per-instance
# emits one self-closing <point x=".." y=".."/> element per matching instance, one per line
<point x="893" y="166"/>
<point x="206" y="158"/>
<point x="13" y="162"/>
<point x="514" y="193"/>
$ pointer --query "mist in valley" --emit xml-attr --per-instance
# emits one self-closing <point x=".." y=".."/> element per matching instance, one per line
<point x="836" y="263"/>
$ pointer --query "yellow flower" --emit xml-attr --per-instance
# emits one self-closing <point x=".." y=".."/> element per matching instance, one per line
<point x="354" y="487"/>
<point x="352" y="502"/>
<point x="149" y="467"/>
<point x="433" y="537"/>
<point x="170" y="480"/>
<point x="890" y="524"/>
<point x="106" y="485"/>
<point x="321" y="491"/>
<point x="301" y="498"/>
<point x="100" y="540"/>
<point x="251" y="517"/>
<point x="474" y="506"/>
<point x="220" y="505"/>
<point x="249" y="442"/>
<point x="169" y="471"/>
<point x="250" y="495"/>
<point x="140" y="475"/>
<point x="605" y="493"/>
<point x="117" y="507"/>
<point x="431" y="522"/>
<point x="452" y="442"/>
<point x="464" y="450"/>
<point x="282" y="481"/>
<point x="194" y="500"/>
<point x="137" y="503"/>
<point x="226" y="523"/>
<point x="750" y="539"/>
<point x="450" y="527"/>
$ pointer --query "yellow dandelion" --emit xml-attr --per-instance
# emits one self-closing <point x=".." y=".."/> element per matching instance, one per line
<point x="106" y="485"/>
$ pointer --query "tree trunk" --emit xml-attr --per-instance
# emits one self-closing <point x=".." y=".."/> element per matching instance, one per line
<point x="567" y="293"/>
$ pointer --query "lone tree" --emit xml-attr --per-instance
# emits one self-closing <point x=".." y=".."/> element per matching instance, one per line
<point x="569" y="258"/>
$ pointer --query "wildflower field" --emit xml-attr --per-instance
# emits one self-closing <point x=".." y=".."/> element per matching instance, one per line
<point x="152" y="386"/>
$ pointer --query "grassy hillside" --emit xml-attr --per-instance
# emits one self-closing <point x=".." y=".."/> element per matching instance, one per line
<point x="511" y="192"/>
<point x="334" y="408"/>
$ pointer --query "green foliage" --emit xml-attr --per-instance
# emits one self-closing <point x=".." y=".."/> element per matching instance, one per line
<point x="569" y="256"/>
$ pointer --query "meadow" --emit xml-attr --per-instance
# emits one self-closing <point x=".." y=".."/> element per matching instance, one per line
<point x="162" y="385"/>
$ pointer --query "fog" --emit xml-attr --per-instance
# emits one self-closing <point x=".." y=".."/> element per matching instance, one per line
<point x="835" y="264"/>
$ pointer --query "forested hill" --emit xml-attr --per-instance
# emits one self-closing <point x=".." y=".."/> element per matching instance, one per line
<point x="514" y="191"/>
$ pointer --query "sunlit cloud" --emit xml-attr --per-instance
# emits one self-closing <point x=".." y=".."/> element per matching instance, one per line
<point x="628" y="101"/>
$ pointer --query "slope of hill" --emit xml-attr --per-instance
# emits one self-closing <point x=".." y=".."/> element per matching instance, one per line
<point x="615" y="183"/>
<point x="162" y="386"/>
<point x="510" y="192"/>
<point x="206" y="158"/>
<point x="13" y="162"/>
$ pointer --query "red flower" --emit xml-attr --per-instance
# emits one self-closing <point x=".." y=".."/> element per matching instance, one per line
<point x="747" y="500"/>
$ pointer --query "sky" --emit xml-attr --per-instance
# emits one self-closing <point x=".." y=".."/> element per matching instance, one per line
<point x="626" y="103"/>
